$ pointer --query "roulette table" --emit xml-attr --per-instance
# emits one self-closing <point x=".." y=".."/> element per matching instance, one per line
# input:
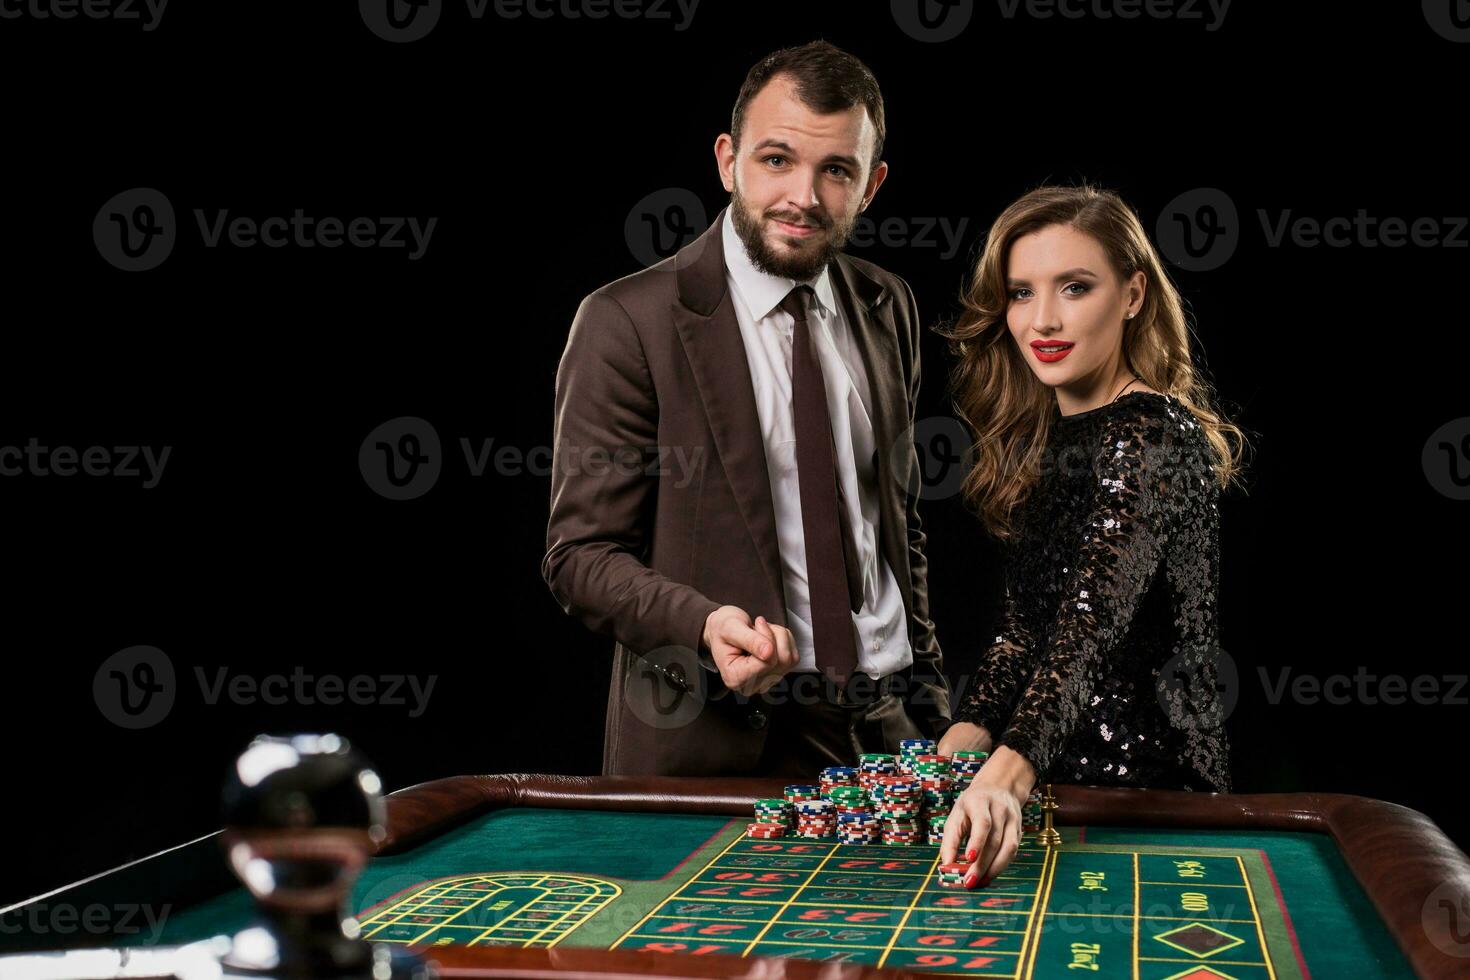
<point x="522" y="875"/>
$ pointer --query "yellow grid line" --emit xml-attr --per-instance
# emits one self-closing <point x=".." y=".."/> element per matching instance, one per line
<point x="1136" y="883"/>
<point x="601" y="892"/>
<point x="491" y="929"/>
<point x="396" y="908"/>
<point x="691" y="880"/>
<point x="422" y="904"/>
<point x="1180" y="959"/>
<point x="1039" y="911"/>
<point x="1256" y="913"/>
<point x="879" y="874"/>
<point x="560" y="918"/>
<point x="816" y="871"/>
<point x="462" y="911"/>
<point x="937" y="929"/>
<point x="948" y="909"/>
<point x="1045" y="883"/>
<point x="912" y="904"/>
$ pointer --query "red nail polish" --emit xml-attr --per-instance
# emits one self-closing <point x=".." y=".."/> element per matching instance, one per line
<point x="985" y="882"/>
<point x="970" y="855"/>
<point x="970" y="880"/>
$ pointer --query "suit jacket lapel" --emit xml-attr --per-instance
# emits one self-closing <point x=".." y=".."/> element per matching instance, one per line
<point x="705" y="319"/>
<point x="869" y="312"/>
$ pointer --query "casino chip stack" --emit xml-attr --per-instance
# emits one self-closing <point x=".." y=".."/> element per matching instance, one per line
<point x="936" y="781"/>
<point x="834" y="776"/>
<point x="900" y="800"/>
<point x="776" y="811"/>
<point x="857" y="828"/>
<point x="765" y="831"/>
<point x="871" y="765"/>
<point x="910" y="749"/>
<point x="816" y="819"/>
<point x="967" y="767"/>
<point x="1031" y="812"/>
<point x="952" y="875"/>
<point x="898" y="803"/>
<point x="935" y="824"/>
<point x="856" y="821"/>
<point x="802" y="791"/>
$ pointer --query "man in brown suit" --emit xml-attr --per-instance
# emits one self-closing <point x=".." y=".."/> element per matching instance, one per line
<point x="732" y="440"/>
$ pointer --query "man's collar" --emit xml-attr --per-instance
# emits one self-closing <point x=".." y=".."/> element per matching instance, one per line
<point x="761" y="290"/>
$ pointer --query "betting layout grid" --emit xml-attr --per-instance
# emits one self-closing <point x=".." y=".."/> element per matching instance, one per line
<point x="871" y="904"/>
<point x="497" y="909"/>
<point x="903" y="801"/>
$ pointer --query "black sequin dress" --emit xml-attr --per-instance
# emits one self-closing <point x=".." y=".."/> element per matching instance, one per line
<point x="1111" y="580"/>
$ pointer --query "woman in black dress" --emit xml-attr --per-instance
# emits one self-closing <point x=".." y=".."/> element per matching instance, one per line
<point x="1100" y="460"/>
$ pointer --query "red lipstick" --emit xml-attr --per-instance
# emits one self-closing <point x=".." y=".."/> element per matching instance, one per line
<point x="1057" y="349"/>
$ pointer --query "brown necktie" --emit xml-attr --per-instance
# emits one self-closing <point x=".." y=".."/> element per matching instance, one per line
<point x="833" y="576"/>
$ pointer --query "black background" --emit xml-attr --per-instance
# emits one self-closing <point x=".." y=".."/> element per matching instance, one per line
<point x="263" y="549"/>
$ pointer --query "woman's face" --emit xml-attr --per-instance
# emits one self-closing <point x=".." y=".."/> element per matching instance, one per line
<point x="1064" y="295"/>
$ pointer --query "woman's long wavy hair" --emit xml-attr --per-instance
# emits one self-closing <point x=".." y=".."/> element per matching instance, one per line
<point x="1008" y="409"/>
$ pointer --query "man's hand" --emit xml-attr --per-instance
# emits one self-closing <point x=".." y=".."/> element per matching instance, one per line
<point x="963" y="736"/>
<point x="751" y="657"/>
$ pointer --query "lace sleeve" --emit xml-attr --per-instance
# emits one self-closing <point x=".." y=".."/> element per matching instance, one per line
<point x="1000" y="673"/>
<point x="1122" y="540"/>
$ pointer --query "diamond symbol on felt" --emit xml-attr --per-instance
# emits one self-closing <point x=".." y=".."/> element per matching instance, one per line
<point x="1200" y="973"/>
<point x="1198" y="939"/>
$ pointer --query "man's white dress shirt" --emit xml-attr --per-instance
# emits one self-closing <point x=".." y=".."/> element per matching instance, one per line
<point x="882" y="634"/>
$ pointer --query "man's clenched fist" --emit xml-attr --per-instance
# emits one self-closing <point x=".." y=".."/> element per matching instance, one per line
<point x="751" y="657"/>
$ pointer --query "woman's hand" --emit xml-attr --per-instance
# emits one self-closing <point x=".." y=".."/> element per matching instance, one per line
<point x="984" y="826"/>
<point x="963" y="736"/>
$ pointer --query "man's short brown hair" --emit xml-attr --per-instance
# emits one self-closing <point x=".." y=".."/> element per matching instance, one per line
<point x="827" y="79"/>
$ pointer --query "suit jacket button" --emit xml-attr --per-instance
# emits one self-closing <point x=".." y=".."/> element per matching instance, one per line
<point x="756" y="720"/>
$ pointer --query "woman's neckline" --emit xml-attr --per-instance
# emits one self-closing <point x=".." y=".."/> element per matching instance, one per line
<point x="1115" y="401"/>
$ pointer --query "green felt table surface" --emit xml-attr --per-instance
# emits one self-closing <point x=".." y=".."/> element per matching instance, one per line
<point x="644" y="856"/>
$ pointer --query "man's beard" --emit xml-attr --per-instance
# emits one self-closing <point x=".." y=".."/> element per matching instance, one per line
<point x="802" y="265"/>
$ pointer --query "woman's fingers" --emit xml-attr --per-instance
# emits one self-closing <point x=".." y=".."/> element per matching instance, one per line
<point x="989" y="845"/>
<point x="979" y="814"/>
<point x="954" y="833"/>
<point x="1007" y="852"/>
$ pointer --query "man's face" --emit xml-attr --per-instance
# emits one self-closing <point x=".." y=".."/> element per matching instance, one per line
<point x="799" y="180"/>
